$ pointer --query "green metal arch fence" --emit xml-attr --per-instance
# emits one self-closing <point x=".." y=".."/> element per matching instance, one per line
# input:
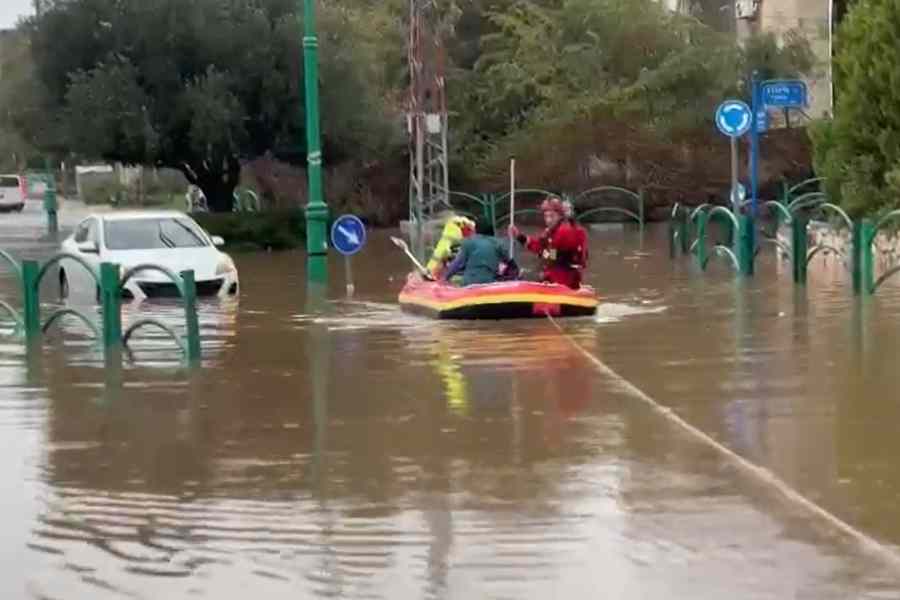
<point x="144" y="323"/>
<point x="184" y="282"/>
<point x="30" y="273"/>
<point x="636" y="197"/>
<point x="58" y="258"/>
<point x="65" y="312"/>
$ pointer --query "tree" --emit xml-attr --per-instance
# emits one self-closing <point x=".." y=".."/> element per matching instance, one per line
<point x="23" y="123"/>
<point x="858" y="151"/>
<point x="622" y="67"/>
<point x="198" y="85"/>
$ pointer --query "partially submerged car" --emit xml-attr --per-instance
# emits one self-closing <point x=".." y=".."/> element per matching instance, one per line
<point x="170" y="239"/>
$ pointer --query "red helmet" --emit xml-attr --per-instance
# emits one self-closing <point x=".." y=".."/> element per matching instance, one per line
<point x="553" y="204"/>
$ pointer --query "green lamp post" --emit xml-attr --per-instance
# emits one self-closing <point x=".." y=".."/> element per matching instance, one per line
<point x="316" y="209"/>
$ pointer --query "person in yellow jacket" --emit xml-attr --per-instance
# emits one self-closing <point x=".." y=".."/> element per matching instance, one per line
<point x="455" y="229"/>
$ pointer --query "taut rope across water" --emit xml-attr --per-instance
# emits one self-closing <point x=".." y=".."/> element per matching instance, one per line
<point x="869" y="545"/>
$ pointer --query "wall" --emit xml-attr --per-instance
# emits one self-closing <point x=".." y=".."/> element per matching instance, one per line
<point x="887" y="247"/>
<point x="811" y="17"/>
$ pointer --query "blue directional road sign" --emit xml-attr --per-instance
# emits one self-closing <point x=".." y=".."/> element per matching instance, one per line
<point x="348" y="235"/>
<point x="733" y="118"/>
<point x="785" y="93"/>
<point x="762" y="120"/>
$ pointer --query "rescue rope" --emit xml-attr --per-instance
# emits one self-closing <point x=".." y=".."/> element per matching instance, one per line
<point x="868" y="544"/>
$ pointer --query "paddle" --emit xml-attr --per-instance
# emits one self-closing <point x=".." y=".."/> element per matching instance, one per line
<point x="512" y="204"/>
<point x="403" y="246"/>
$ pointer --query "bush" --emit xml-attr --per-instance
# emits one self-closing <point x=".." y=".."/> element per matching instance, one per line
<point x="283" y="230"/>
<point x="858" y="152"/>
<point x="103" y="191"/>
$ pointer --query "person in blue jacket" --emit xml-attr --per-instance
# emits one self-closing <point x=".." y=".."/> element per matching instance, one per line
<point x="480" y="259"/>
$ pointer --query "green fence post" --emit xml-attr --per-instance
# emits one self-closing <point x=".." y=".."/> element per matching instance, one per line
<point x="673" y="235"/>
<point x="799" y="248"/>
<point x="50" y="205"/>
<point x="685" y="231"/>
<point x="492" y="210"/>
<point x="746" y="244"/>
<point x="190" y="316"/>
<point x="701" y="239"/>
<point x="641" y="207"/>
<point x="31" y="299"/>
<point x="111" y="300"/>
<point x="868" y="256"/>
<point x="856" y="261"/>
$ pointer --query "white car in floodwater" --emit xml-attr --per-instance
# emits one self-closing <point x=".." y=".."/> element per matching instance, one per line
<point x="169" y="238"/>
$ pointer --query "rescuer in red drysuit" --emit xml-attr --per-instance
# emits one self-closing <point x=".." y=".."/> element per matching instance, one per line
<point x="558" y="246"/>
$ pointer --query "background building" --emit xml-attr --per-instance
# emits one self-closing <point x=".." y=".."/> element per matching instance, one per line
<point x="812" y="18"/>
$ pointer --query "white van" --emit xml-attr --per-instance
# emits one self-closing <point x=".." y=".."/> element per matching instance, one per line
<point x="12" y="193"/>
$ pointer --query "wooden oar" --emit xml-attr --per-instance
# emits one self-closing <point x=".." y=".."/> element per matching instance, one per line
<point x="403" y="246"/>
<point x="512" y="204"/>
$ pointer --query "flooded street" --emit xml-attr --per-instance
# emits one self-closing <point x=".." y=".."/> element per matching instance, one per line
<point x="344" y="449"/>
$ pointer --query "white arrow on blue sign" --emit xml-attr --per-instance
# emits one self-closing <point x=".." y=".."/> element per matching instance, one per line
<point x="348" y="234"/>
<point x="733" y="118"/>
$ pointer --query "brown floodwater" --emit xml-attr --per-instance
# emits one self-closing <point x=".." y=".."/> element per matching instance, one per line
<point x="340" y="448"/>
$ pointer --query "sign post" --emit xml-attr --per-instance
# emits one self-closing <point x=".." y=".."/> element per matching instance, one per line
<point x="733" y="119"/>
<point x="348" y="236"/>
<point x="774" y="93"/>
<point x="758" y="126"/>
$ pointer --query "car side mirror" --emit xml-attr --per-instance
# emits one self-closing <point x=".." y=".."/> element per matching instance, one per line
<point x="88" y="248"/>
<point x="217" y="241"/>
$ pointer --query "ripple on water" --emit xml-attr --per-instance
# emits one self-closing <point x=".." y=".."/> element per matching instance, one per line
<point x="454" y="459"/>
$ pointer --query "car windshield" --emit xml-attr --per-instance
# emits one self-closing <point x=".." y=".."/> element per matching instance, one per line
<point x="151" y="234"/>
<point x="9" y="182"/>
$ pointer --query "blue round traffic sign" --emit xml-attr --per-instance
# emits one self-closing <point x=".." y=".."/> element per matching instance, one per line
<point x="733" y="118"/>
<point x="348" y="234"/>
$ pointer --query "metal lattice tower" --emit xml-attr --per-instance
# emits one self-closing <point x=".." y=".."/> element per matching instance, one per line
<point x="426" y="123"/>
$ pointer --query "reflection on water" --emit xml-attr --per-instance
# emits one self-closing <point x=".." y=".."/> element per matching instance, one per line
<point x="342" y="448"/>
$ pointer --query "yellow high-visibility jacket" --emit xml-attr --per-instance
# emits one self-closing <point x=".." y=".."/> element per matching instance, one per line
<point x="451" y="236"/>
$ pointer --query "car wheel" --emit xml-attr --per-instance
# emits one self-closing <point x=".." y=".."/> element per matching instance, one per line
<point x="63" y="285"/>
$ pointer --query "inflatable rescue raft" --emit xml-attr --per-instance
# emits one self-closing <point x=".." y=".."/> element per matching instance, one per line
<point x="501" y="300"/>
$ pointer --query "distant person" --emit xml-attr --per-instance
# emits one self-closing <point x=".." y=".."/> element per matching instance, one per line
<point x="481" y="257"/>
<point x="558" y="246"/>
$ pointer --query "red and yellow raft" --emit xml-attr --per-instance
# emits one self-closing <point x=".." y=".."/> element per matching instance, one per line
<point x="501" y="300"/>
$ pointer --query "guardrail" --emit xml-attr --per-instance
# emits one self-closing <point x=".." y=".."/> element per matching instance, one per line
<point x="494" y="207"/>
<point x="688" y="234"/>
<point x="29" y="326"/>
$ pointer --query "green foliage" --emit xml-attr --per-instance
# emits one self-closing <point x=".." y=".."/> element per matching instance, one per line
<point x="858" y="152"/>
<point x="104" y="191"/>
<point x="256" y="231"/>
<point x="20" y="102"/>
<point x="547" y="66"/>
<point x="194" y="85"/>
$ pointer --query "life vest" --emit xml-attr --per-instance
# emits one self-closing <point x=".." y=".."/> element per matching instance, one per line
<point x="571" y="257"/>
<point x="448" y="245"/>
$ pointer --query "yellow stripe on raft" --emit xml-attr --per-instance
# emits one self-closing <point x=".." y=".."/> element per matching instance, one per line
<point x="499" y="299"/>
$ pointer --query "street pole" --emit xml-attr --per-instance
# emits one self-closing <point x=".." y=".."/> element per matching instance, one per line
<point x="735" y="197"/>
<point x="50" y="202"/>
<point x="754" y="141"/>
<point x="316" y="209"/>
